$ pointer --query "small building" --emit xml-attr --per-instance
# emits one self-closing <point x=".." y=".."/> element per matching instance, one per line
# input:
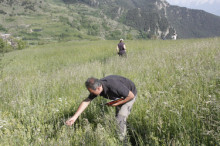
<point x="8" y="39"/>
<point x="5" y="36"/>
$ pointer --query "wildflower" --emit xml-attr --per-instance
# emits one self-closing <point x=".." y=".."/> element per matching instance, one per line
<point x="166" y="103"/>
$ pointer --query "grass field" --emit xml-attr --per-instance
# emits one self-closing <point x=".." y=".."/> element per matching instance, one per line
<point x="178" y="86"/>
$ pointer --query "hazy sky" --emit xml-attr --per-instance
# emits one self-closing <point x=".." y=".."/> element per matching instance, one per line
<point x="211" y="6"/>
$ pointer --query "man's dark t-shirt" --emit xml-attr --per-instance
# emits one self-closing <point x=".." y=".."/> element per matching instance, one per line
<point x="115" y="86"/>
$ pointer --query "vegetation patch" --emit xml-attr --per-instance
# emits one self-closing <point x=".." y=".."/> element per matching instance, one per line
<point x="177" y="104"/>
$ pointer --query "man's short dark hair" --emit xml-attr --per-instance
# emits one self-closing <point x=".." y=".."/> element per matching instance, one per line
<point x="92" y="83"/>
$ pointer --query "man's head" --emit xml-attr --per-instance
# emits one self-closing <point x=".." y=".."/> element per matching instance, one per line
<point x="121" y="40"/>
<point x="94" y="86"/>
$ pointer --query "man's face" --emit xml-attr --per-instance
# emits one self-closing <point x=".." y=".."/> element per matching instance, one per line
<point x="95" y="92"/>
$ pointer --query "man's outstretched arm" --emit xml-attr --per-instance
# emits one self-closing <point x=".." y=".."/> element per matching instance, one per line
<point x="81" y="108"/>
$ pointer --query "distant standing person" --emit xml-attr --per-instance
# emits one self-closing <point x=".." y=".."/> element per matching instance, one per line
<point x="110" y="87"/>
<point x="174" y="36"/>
<point x="121" y="48"/>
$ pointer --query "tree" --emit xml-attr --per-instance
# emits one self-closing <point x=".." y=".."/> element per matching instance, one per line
<point x="2" y="46"/>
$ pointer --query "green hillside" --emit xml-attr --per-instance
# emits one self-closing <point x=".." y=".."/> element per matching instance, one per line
<point x="45" y="21"/>
<point x="178" y="93"/>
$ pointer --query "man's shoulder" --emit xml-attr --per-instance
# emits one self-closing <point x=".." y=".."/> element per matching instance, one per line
<point x="110" y="80"/>
<point x="112" y="77"/>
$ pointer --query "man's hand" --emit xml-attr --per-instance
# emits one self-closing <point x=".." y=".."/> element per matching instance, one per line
<point x="113" y="105"/>
<point x="71" y="121"/>
<point x="80" y="109"/>
<point x="123" y="101"/>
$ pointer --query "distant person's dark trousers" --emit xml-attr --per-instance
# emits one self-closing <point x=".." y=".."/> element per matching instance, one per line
<point x="122" y="54"/>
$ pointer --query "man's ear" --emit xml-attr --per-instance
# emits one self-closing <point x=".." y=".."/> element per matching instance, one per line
<point x="99" y="88"/>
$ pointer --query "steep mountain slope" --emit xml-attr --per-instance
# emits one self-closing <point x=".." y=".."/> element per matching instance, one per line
<point x="158" y="17"/>
<point x="193" y="23"/>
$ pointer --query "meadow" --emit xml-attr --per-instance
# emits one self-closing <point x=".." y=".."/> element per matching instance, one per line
<point x="178" y="99"/>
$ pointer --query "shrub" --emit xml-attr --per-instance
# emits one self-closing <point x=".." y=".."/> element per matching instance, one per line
<point x="114" y="35"/>
<point x="20" y="44"/>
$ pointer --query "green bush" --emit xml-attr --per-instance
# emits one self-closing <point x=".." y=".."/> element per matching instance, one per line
<point x="93" y="29"/>
<point x="21" y="44"/>
<point x="114" y="35"/>
<point x="2" y="28"/>
<point x="129" y="36"/>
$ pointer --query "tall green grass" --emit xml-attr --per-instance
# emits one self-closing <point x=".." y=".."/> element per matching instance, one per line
<point x="178" y="86"/>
